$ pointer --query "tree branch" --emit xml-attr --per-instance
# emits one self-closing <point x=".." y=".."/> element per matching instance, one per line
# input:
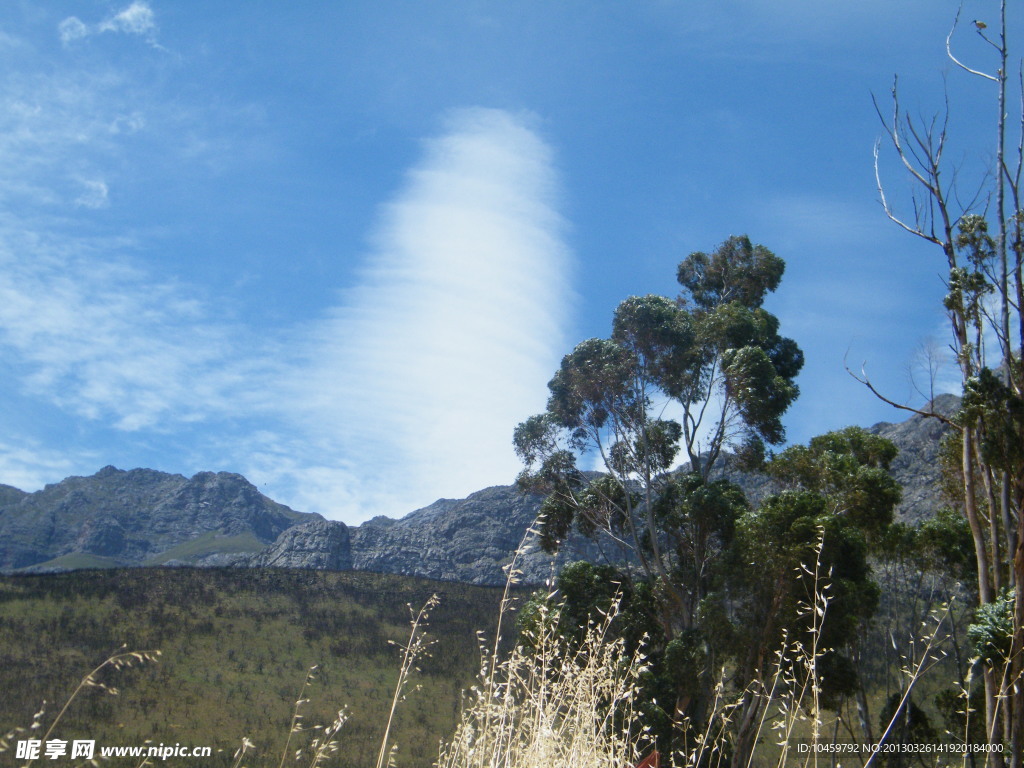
<point x="955" y="60"/>
<point x="863" y="379"/>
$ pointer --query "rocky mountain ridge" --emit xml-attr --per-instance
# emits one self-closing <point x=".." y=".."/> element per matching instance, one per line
<point x="138" y="517"/>
<point x="143" y="517"/>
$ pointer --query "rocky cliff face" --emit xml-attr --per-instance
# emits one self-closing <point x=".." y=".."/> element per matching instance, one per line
<point x="470" y="540"/>
<point x="318" y="544"/>
<point x="143" y="517"/>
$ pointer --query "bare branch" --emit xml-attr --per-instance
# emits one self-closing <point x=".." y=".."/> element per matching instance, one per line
<point x="914" y="230"/>
<point x="863" y="379"/>
<point x="1015" y="183"/>
<point x="955" y="60"/>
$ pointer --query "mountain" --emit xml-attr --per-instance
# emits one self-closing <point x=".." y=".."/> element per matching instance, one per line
<point x="469" y="540"/>
<point x="139" y="517"/>
<point x="144" y="517"/>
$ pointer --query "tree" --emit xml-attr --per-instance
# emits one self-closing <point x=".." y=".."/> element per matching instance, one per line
<point x="700" y="373"/>
<point x="715" y="355"/>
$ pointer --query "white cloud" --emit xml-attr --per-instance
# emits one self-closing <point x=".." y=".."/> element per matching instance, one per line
<point x="419" y="377"/>
<point x="71" y="29"/>
<point x="85" y="330"/>
<point x="137" y="19"/>
<point x="53" y="129"/>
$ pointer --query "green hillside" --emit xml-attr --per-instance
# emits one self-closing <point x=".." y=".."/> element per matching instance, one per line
<point x="236" y="646"/>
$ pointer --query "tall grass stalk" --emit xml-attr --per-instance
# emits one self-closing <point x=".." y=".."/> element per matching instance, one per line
<point x="415" y="647"/>
<point x="916" y="666"/>
<point x="296" y="723"/>
<point x="799" y="673"/>
<point x="121" y="660"/>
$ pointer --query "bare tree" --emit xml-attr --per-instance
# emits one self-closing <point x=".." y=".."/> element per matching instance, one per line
<point x="982" y="267"/>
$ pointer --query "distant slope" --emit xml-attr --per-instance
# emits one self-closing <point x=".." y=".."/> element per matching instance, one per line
<point x="236" y="645"/>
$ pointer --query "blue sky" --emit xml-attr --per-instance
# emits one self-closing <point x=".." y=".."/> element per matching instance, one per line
<point x="341" y="247"/>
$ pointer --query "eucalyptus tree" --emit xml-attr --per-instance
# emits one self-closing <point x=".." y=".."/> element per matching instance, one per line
<point x="695" y="374"/>
<point x="677" y="379"/>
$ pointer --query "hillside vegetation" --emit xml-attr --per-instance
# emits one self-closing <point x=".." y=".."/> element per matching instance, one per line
<point x="236" y="646"/>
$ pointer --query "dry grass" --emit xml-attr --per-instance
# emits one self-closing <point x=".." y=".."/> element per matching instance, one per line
<point x="549" y="704"/>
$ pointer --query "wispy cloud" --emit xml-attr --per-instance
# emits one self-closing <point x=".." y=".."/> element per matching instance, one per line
<point x="55" y="131"/>
<point x="411" y="387"/>
<point x="137" y="19"/>
<point x="102" y="339"/>
<point x="82" y="324"/>
<point x="406" y="391"/>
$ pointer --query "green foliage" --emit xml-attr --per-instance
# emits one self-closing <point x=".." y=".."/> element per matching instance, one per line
<point x="839" y="497"/>
<point x="991" y="632"/>
<point x="661" y="338"/>
<point x="599" y="505"/>
<point x="989" y="401"/>
<point x="850" y="467"/>
<point x="968" y="286"/>
<point x="237" y="644"/>
<point x="651" y="450"/>
<point x="698" y="519"/>
<point x="591" y="386"/>
<point x="738" y="271"/>
<point x="941" y="543"/>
